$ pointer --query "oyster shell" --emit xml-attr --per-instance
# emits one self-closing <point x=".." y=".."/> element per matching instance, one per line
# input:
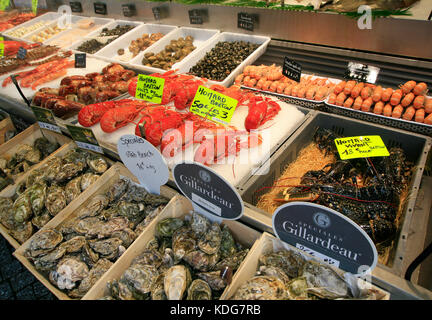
<point x="140" y="277"/>
<point x="96" y="272"/>
<point x="157" y="288"/>
<point x="108" y="248"/>
<point x="211" y="240"/>
<point x="117" y="190"/>
<point x="44" y="241"/>
<point x="22" y="232"/>
<point x="199" y="224"/>
<point x="298" y="289"/>
<point x="200" y="260"/>
<point x="94" y="207"/>
<point x="227" y="245"/>
<point x="289" y="261"/>
<point x="22" y="208"/>
<point x="41" y="220"/>
<point x="183" y="241"/>
<point x="87" y="179"/>
<point x="6" y="212"/>
<point x="73" y="189"/>
<point x="127" y="236"/>
<point x="49" y="261"/>
<point x="232" y="261"/>
<point x="69" y="271"/>
<point x="37" y="194"/>
<point x="213" y="279"/>
<point x="74" y="245"/>
<point x="89" y="256"/>
<point x="97" y="164"/>
<point x="274" y="272"/>
<point x="199" y="290"/>
<point x="55" y="200"/>
<point x="176" y="281"/>
<point x="53" y="168"/>
<point x="261" y="288"/>
<point x="166" y="227"/>
<point x="148" y="257"/>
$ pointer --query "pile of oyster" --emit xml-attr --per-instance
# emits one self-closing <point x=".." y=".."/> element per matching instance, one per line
<point x="188" y="258"/>
<point x="78" y="252"/>
<point x="48" y="190"/>
<point x="287" y="275"/>
<point x="25" y="157"/>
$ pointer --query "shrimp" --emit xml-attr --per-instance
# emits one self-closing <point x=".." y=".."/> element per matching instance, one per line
<point x="386" y="95"/>
<point x="428" y="105"/>
<point x="281" y="87"/>
<point x="408" y="86"/>
<point x="408" y="99"/>
<point x="409" y="113"/>
<point x="349" y="87"/>
<point x="348" y="102"/>
<point x="419" y="115"/>
<point x="388" y="110"/>
<point x="377" y="93"/>
<point x="366" y="92"/>
<point x="339" y="87"/>
<point x="420" y="89"/>
<point x="332" y="98"/>
<point x="367" y="104"/>
<point x="357" y="89"/>
<point x="396" y="97"/>
<point x="340" y="99"/>
<point x="358" y="103"/>
<point x="379" y="106"/>
<point x="419" y="102"/>
<point x="428" y="119"/>
<point x="397" y="111"/>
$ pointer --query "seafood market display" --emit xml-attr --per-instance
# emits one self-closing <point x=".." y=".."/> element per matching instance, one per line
<point x="77" y="91"/>
<point x="23" y="31"/>
<point x="287" y="274"/>
<point x="94" y="45"/>
<point x="409" y="102"/>
<point x="11" y="47"/>
<point x="79" y="251"/>
<point x="188" y="259"/>
<point x="138" y="45"/>
<point x="369" y="191"/>
<point x="47" y="33"/>
<point x="79" y="30"/>
<point x="270" y="78"/>
<point x="174" y="52"/>
<point x="15" y="20"/>
<point x="221" y="60"/>
<point x="23" y="159"/>
<point x="48" y="190"/>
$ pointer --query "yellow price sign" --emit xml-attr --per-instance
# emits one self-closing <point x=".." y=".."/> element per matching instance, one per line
<point x="150" y="88"/>
<point x="361" y="147"/>
<point x="1" y="47"/>
<point x="213" y="105"/>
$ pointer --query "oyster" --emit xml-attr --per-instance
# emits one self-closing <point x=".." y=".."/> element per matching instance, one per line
<point x="261" y="288"/>
<point x="87" y="179"/>
<point x="113" y="225"/>
<point x="148" y="257"/>
<point x="45" y="146"/>
<point x="214" y="279"/>
<point x="44" y="241"/>
<point x="199" y="290"/>
<point x="49" y="261"/>
<point x="96" y="272"/>
<point x="289" y="261"/>
<point x="183" y="241"/>
<point x="227" y="245"/>
<point x="22" y="208"/>
<point x="177" y="280"/>
<point x="37" y="194"/>
<point x="120" y="290"/>
<point x="69" y="271"/>
<point x="157" y="289"/>
<point x="41" y="220"/>
<point x="140" y="277"/>
<point x="166" y="227"/>
<point x="274" y="272"/>
<point x="22" y="151"/>
<point x="298" y="289"/>
<point x="89" y="256"/>
<point x="200" y="260"/>
<point x="6" y="213"/>
<point x="108" y="248"/>
<point x="149" y="218"/>
<point x="67" y="171"/>
<point x="323" y="281"/>
<point x="73" y="189"/>
<point x="200" y="224"/>
<point x="22" y="232"/>
<point x="55" y="200"/>
<point x="53" y="167"/>
<point x="36" y="176"/>
<point x="232" y="261"/>
<point x="94" y="207"/>
<point x="211" y="240"/>
<point x="97" y="164"/>
<point x="132" y="211"/>
<point x="74" y="245"/>
<point x="88" y="227"/>
<point x="117" y="190"/>
<point x="126" y="235"/>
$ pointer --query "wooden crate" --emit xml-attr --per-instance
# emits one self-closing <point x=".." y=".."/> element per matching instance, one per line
<point x="267" y="244"/>
<point x="10" y="191"/>
<point x="179" y="208"/>
<point x="6" y="125"/>
<point x="99" y="187"/>
<point x="28" y="136"/>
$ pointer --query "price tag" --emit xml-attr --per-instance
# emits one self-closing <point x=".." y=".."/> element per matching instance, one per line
<point x="129" y="10"/>
<point x="144" y="161"/>
<point x="80" y="60"/>
<point x="76" y="6"/>
<point x="4" y="4"/>
<point x="150" y="88"/>
<point x="22" y="53"/>
<point x="45" y="119"/>
<point x="361" y="72"/>
<point x="361" y="147"/>
<point x="156" y="13"/>
<point x="326" y="234"/>
<point x="1" y="46"/>
<point x="195" y="16"/>
<point x="84" y="138"/>
<point x="100" y="8"/>
<point x="213" y="105"/>
<point x="210" y="193"/>
<point x="291" y="69"/>
<point x="245" y="21"/>
<point x="34" y="6"/>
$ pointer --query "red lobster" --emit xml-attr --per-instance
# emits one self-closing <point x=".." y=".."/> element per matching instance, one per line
<point x="122" y="115"/>
<point x="261" y="112"/>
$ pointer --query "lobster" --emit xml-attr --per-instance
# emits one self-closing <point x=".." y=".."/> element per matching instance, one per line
<point x="119" y="117"/>
<point x="261" y="112"/>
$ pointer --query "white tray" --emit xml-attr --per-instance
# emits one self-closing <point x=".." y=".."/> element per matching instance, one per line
<point x="109" y="52"/>
<point x="198" y="54"/>
<point x="201" y="37"/>
<point x="110" y="26"/>
<point x="46" y="16"/>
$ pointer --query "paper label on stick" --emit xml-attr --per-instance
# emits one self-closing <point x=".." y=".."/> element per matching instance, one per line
<point x="144" y="161"/>
<point x="213" y="105"/>
<point x="150" y="88"/>
<point x="84" y="138"/>
<point x="361" y="147"/>
<point x="45" y="118"/>
<point x="362" y="72"/>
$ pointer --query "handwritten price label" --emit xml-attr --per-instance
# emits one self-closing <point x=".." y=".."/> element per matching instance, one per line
<point x="323" y="257"/>
<point x="144" y="161"/>
<point x="213" y="105"/>
<point x="291" y="69"/>
<point x="45" y="119"/>
<point x="84" y="138"/>
<point x="361" y="147"/>
<point x="4" y="4"/>
<point x="1" y="47"/>
<point x="34" y="6"/>
<point x="150" y="88"/>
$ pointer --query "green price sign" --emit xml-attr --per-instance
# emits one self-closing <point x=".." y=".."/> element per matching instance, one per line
<point x="361" y="147"/>
<point x="46" y="119"/>
<point x="84" y="138"/>
<point x="213" y="105"/>
<point x="1" y="47"/>
<point x="34" y="6"/>
<point x="4" y="4"/>
<point x="150" y="88"/>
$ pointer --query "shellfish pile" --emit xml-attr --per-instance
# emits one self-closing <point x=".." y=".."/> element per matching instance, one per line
<point x="79" y="251"/>
<point x="24" y="158"/>
<point x="48" y="190"/>
<point x="188" y="258"/>
<point x="287" y="275"/>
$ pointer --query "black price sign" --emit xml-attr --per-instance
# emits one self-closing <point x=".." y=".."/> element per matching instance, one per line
<point x="76" y="6"/>
<point x="326" y="234"/>
<point x="22" y="53"/>
<point x="245" y="21"/>
<point x="80" y="60"/>
<point x="195" y="16"/>
<point x="291" y="69"/>
<point x="361" y="72"/>
<point x="45" y="119"/>
<point x="156" y="13"/>
<point x="100" y="8"/>
<point x="209" y="192"/>
<point x="129" y="10"/>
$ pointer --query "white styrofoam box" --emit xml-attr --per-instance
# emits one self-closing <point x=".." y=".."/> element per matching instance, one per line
<point x="49" y="16"/>
<point x="201" y="37"/>
<point x="189" y="62"/>
<point x="99" y="22"/>
<point x="109" y="26"/>
<point x="109" y="52"/>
